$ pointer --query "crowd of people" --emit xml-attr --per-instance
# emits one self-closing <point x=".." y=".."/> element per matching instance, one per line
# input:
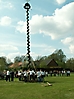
<point x="26" y="75"/>
<point x="9" y="75"/>
<point x="60" y="73"/>
<point x="32" y="75"/>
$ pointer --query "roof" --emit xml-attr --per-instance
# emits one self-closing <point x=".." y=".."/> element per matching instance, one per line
<point x="52" y="63"/>
<point x="14" y="65"/>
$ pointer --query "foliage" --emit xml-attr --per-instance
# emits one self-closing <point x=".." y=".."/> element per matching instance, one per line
<point x="70" y="64"/>
<point x="59" y="57"/>
<point x="43" y="62"/>
<point x="40" y="62"/>
<point x="17" y="59"/>
<point x="3" y="63"/>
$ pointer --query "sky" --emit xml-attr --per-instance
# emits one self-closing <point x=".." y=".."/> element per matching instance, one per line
<point x="51" y="27"/>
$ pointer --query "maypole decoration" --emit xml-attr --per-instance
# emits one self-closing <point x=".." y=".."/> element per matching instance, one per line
<point x="27" y="7"/>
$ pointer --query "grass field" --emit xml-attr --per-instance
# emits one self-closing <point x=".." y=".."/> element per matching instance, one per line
<point x="62" y="88"/>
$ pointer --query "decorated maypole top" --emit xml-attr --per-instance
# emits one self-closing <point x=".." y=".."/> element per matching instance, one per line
<point x="27" y="7"/>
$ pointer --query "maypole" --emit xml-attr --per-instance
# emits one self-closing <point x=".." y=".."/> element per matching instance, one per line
<point x="27" y="7"/>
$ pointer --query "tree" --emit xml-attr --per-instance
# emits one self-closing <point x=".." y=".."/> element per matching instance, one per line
<point x="8" y="61"/>
<point x="38" y="58"/>
<point x="43" y="62"/>
<point x="70" y="64"/>
<point x="3" y="63"/>
<point x="17" y="59"/>
<point x="40" y="62"/>
<point x="59" y="57"/>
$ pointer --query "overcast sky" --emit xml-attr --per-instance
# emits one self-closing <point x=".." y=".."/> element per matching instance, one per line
<point x="51" y="27"/>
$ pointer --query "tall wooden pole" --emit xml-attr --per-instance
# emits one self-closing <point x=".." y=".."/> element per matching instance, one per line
<point x="27" y="7"/>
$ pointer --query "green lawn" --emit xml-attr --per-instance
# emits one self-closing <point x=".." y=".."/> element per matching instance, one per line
<point x="62" y="88"/>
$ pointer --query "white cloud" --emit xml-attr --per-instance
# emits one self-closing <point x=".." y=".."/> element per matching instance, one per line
<point x="34" y="55"/>
<point x="21" y="27"/>
<point x="8" y="47"/>
<point x="2" y="54"/>
<point x="13" y="51"/>
<point x="68" y="41"/>
<point x="59" y="25"/>
<point x="10" y="5"/>
<point x="5" y="4"/>
<point x="60" y="1"/>
<point x="43" y="46"/>
<point x="13" y="55"/>
<point x="44" y="49"/>
<point x="5" y="21"/>
<point x="71" y="47"/>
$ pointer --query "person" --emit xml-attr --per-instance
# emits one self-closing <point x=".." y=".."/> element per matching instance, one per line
<point x="25" y="76"/>
<point x="19" y="75"/>
<point x="30" y="72"/>
<point x="4" y="72"/>
<point x="12" y="75"/>
<point x="51" y="73"/>
<point x="68" y="72"/>
<point x="38" y="76"/>
<point x="42" y="75"/>
<point x="33" y="75"/>
<point x="8" y="75"/>
<point x="62" y="72"/>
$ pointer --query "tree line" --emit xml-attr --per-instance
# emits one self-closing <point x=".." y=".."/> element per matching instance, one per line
<point x="57" y="55"/>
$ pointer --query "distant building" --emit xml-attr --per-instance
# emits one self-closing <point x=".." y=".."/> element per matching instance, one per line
<point x="53" y="65"/>
<point x="50" y="64"/>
